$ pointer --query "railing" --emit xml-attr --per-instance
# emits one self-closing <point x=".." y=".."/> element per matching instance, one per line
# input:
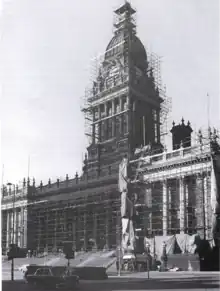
<point x="73" y="183"/>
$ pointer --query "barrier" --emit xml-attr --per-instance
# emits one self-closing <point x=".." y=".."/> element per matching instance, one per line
<point x="84" y="273"/>
<point x="91" y="273"/>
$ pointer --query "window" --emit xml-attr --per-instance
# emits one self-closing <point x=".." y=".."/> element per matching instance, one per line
<point x="124" y="123"/>
<point x="155" y="133"/>
<point x="117" y="125"/>
<point x="154" y="113"/>
<point x="102" y="124"/>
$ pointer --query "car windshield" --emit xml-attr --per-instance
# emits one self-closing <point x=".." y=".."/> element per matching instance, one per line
<point x="45" y="272"/>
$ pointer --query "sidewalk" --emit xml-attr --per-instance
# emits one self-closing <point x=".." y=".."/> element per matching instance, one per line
<point x="167" y="275"/>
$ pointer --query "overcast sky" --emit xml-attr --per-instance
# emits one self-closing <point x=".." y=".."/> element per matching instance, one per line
<point x="46" y="50"/>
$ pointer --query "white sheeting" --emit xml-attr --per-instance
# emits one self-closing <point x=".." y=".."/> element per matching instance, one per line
<point x="123" y="175"/>
<point x="185" y="242"/>
<point x="127" y="234"/>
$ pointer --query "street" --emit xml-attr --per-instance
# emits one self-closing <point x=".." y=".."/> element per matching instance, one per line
<point x="136" y="282"/>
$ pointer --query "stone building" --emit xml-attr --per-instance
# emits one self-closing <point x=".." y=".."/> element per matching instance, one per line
<point x="125" y="110"/>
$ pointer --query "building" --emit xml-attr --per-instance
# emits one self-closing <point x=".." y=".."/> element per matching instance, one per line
<point x="126" y="109"/>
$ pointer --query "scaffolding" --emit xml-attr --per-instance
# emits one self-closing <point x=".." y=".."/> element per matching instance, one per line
<point x="91" y="215"/>
<point x="154" y="62"/>
<point x="107" y="76"/>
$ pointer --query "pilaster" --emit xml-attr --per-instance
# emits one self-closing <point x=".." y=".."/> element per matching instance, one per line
<point x="85" y="230"/>
<point x="199" y="195"/>
<point x="55" y="230"/>
<point x="95" y="228"/>
<point x="113" y="118"/>
<point x="25" y="227"/>
<point x="120" y="116"/>
<point x="8" y="230"/>
<point x="164" y="207"/>
<point x="182" y="204"/>
<point x="206" y="203"/>
<point x="107" y="220"/>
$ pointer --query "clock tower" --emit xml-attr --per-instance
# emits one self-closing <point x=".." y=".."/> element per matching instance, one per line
<point x="124" y="104"/>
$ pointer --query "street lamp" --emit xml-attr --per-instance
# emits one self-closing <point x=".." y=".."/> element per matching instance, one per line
<point x="148" y="259"/>
<point x="13" y="229"/>
<point x="164" y="257"/>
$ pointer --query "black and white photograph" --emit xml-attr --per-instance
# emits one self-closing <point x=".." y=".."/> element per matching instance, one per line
<point x="110" y="145"/>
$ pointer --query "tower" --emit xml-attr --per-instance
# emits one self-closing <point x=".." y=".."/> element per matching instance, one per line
<point x="181" y="135"/>
<point x="123" y="105"/>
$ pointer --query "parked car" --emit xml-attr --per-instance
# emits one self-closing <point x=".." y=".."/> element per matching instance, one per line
<point x="46" y="277"/>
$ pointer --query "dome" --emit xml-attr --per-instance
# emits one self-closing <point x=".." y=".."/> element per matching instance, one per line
<point x="137" y="50"/>
<point x="136" y="46"/>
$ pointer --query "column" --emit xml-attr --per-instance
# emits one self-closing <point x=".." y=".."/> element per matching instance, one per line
<point x="128" y="114"/>
<point x="169" y="209"/>
<point x="99" y="123"/>
<point x="206" y="202"/>
<point x="19" y="228"/>
<point x="25" y="227"/>
<point x="165" y="207"/>
<point x="1" y="227"/>
<point x="74" y="232"/>
<point x="148" y="203"/>
<point x="14" y="228"/>
<point x="93" y="128"/>
<point x="181" y="206"/>
<point x="8" y="230"/>
<point x="113" y="118"/>
<point x="55" y="230"/>
<point x="186" y="205"/>
<point x="120" y="110"/>
<point x="199" y="195"/>
<point x="85" y="229"/>
<point x="105" y="122"/>
<point x="107" y="221"/>
<point x="95" y="228"/>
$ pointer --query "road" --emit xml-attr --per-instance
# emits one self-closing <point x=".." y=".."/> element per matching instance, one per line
<point x="136" y="282"/>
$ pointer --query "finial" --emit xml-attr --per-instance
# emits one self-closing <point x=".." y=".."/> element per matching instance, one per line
<point x="76" y="177"/>
<point x="28" y="181"/>
<point x="49" y="182"/>
<point x="33" y="182"/>
<point x="182" y="121"/>
<point x="41" y="184"/>
<point x="188" y="123"/>
<point x="67" y="177"/>
<point x="173" y="123"/>
<point x="58" y="183"/>
<point x="24" y="182"/>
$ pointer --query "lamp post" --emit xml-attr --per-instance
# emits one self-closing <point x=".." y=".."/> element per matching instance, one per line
<point x="13" y="229"/>
<point x="164" y="257"/>
<point x="148" y="259"/>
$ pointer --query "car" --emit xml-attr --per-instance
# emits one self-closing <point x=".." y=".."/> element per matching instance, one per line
<point x="48" y="277"/>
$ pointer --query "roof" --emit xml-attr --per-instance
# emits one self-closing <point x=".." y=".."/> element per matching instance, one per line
<point x="137" y="49"/>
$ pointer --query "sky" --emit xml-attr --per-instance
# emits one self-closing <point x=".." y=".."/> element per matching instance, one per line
<point x="46" y="51"/>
